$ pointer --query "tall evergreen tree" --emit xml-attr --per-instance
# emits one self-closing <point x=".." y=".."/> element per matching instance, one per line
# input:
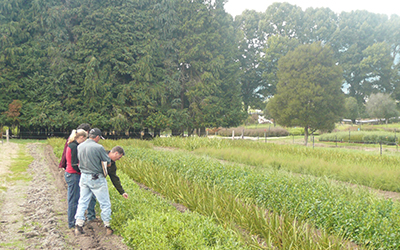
<point x="309" y="90"/>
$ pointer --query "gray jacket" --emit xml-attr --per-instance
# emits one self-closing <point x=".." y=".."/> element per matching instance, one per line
<point x="90" y="156"/>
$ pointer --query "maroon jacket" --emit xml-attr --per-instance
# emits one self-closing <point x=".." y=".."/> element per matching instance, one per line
<point x="63" y="162"/>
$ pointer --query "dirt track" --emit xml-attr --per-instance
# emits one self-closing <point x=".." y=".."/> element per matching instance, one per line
<point x="33" y="214"/>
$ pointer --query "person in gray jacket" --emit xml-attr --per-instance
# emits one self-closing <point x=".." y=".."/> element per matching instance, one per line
<point x="93" y="181"/>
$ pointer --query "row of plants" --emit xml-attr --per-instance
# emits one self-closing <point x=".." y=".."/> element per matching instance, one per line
<point x="362" y="137"/>
<point x="148" y="221"/>
<point x="262" y="131"/>
<point x="254" y="132"/>
<point x="265" y="229"/>
<point x="391" y="127"/>
<point x="380" y="172"/>
<point x="355" y="213"/>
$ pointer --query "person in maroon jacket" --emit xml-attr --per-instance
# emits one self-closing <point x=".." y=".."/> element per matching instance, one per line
<point x="72" y="172"/>
<point x="63" y="162"/>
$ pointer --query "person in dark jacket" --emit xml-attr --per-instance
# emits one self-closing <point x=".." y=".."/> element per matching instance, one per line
<point x="72" y="173"/>
<point x="115" y="154"/>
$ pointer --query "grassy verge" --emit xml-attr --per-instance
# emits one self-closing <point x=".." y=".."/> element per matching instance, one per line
<point x="17" y="168"/>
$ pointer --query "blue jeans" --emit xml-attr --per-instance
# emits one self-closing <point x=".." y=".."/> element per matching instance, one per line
<point x="99" y="189"/>
<point x="73" y="196"/>
<point x="91" y="213"/>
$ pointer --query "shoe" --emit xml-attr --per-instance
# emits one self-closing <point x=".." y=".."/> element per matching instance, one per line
<point x="78" y="230"/>
<point x="109" y="231"/>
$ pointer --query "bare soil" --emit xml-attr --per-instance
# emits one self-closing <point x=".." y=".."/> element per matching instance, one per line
<point x="33" y="215"/>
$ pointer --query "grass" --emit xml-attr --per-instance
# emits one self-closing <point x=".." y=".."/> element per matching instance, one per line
<point x="18" y="168"/>
<point x="26" y="141"/>
<point x="13" y="245"/>
<point x="20" y="165"/>
<point x="365" y="168"/>
<point x="147" y="221"/>
<point x="339" y="209"/>
<point x="355" y="213"/>
<point x="223" y="191"/>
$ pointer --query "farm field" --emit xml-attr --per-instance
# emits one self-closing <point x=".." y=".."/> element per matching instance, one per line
<point x="312" y="198"/>
<point x="201" y="193"/>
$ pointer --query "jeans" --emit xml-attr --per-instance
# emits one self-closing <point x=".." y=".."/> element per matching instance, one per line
<point x="99" y="188"/>
<point x="91" y="213"/>
<point x="73" y="196"/>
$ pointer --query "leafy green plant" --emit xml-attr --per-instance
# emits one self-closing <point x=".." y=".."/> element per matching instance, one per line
<point x="147" y="221"/>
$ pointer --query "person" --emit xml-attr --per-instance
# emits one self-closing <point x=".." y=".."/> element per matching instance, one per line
<point x="91" y="155"/>
<point x="115" y="154"/>
<point x="72" y="173"/>
<point x="63" y="162"/>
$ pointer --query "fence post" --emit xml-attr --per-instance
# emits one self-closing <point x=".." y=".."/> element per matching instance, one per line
<point x="336" y="140"/>
<point x="233" y="134"/>
<point x="7" y="135"/>
<point x="380" y="143"/>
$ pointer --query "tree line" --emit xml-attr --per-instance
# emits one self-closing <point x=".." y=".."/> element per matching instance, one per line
<point x="126" y="65"/>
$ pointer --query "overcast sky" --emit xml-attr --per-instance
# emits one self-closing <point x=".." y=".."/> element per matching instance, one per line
<point x="388" y="7"/>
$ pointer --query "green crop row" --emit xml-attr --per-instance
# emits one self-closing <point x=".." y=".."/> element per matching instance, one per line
<point x="381" y="172"/>
<point x="208" y="198"/>
<point x="355" y="213"/>
<point x="146" y="221"/>
<point x="361" y="137"/>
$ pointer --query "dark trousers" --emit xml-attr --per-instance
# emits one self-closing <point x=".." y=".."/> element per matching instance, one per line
<point x="73" y="196"/>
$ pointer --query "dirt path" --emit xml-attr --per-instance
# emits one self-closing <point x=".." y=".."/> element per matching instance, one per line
<point x="33" y="214"/>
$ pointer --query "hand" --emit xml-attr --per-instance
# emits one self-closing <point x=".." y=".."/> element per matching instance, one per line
<point x="125" y="195"/>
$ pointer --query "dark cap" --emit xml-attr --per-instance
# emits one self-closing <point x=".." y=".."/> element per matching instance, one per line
<point x="96" y="132"/>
